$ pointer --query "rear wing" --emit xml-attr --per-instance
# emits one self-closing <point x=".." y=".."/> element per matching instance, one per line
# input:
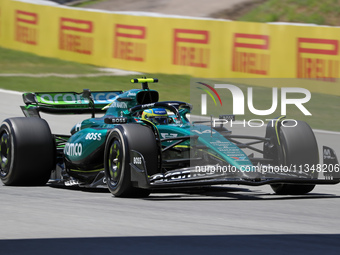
<point x="67" y="102"/>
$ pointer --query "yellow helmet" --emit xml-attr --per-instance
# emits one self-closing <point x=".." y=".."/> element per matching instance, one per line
<point x="157" y="116"/>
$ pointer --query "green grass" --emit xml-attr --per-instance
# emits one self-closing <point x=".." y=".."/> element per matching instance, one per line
<point x="86" y="3"/>
<point x="169" y="86"/>
<point x="21" y="62"/>
<point x="325" y="108"/>
<point x="325" y="12"/>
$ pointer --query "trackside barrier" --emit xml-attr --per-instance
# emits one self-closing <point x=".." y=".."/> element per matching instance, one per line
<point x="199" y="47"/>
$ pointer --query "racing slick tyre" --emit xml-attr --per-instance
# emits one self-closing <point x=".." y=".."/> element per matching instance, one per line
<point x="120" y="142"/>
<point x="299" y="148"/>
<point x="27" y="151"/>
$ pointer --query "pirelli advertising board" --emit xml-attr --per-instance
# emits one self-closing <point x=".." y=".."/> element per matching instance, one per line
<point x="199" y="47"/>
<point x="26" y="27"/>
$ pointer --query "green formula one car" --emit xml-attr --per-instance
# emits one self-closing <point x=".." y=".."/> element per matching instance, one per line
<point x="140" y="145"/>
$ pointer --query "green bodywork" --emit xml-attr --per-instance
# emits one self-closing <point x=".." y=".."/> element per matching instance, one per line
<point x="88" y="137"/>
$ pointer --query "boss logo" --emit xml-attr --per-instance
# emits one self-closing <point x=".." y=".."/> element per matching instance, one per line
<point x="93" y="136"/>
<point x="120" y="120"/>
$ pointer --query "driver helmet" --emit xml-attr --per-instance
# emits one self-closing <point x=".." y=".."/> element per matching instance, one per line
<point x="157" y="116"/>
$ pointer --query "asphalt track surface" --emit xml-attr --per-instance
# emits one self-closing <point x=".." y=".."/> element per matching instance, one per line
<point x="216" y="220"/>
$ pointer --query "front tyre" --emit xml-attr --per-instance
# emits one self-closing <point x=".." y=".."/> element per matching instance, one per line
<point x="120" y="142"/>
<point x="299" y="147"/>
<point x="27" y="151"/>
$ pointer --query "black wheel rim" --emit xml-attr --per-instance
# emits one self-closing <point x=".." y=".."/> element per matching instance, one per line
<point x="5" y="153"/>
<point x="115" y="162"/>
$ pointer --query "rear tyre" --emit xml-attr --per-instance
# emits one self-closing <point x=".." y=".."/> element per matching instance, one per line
<point x="120" y="142"/>
<point x="27" y="151"/>
<point x="299" y="147"/>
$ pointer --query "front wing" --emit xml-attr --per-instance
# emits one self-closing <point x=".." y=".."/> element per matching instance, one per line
<point x="190" y="176"/>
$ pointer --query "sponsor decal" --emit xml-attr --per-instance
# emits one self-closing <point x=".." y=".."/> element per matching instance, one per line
<point x="71" y="182"/>
<point x="76" y="35"/>
<point x="94" y="136"/>
<point x="137" y="160"/>
<point x="327" y="153"/>
<point x="227" y="117"/>
<point x="191" y="48"/>
<point x="118" y="120"/>
<point x="159" y="111"/>
<point x="129" y="42"/>
<point x="251" y="54"/>
<point x="207" y="131"/>
<point x="116" y="104"/>
<point x="70" y="98"/>
<point x="318" y="59"/>
<point x="73" y="149"/>
<point x="103" y="98"/>
<point x="26" y="27"/>
<point x="148" y="105"/>
<point x="78" y="127"/>
<point x="131" y="94"/>
<point x="168" y="135"/>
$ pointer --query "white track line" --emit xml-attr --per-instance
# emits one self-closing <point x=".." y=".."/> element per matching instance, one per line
<point x="326" y="132"/>
<point x="11" y="92"/>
